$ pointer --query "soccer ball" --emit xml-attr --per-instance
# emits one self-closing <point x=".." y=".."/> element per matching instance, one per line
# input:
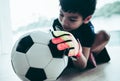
<point x="32" y="59"/>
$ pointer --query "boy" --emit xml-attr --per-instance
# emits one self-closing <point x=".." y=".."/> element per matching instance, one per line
<point x="75" y="18"/>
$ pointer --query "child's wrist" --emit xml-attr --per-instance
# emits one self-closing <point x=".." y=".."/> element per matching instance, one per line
<point x="78" y="55"/>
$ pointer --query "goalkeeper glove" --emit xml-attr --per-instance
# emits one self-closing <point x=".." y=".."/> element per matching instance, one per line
<point x="65" y="41"/>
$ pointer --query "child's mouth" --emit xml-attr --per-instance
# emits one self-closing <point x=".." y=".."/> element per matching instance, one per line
<point x="66" y="28"/>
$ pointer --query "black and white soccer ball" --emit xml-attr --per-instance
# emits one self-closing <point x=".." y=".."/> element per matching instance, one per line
<point x="32" y="59"/>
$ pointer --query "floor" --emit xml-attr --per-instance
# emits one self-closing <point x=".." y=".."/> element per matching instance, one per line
<point x="105" y="72"/>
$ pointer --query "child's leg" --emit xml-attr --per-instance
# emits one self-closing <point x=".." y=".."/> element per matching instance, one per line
<point x="101" y="40"/>
<point x="98" y="49"/>
<point x="102" y="57"/>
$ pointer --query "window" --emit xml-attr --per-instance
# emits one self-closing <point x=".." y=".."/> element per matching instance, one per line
<point x="31" y="14"/>
<point x="5" y="27"/>
<point x="107" y="17"/>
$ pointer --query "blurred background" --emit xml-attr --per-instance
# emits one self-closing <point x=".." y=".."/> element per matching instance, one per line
<point x="20" y="16"/>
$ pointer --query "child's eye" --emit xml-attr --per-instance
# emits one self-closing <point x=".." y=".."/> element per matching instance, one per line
<point x="61" y="15"/>
<point x="73" y="20"/>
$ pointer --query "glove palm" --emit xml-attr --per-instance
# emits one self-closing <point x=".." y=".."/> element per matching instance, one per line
<point x="65" y="40"/>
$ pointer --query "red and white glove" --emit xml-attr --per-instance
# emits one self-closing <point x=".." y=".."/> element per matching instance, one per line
<point x="65" y="40"/>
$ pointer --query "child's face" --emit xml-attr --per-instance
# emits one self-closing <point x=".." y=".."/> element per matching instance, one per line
<point x="70" y="21"/>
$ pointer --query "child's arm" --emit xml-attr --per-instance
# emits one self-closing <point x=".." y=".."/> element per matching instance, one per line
<point x="81" y="62"/>
<point x="65" y="40"/>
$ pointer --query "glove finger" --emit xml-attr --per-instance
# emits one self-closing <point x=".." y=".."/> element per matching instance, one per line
<point x="65" y="45"/>
<point x="60" y="33"/>
<point x="71" y="52"/>
<point x="61" y="39"/>
<point x="55" y="52"/>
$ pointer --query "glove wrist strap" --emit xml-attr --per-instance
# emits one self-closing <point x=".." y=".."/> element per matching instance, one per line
<point x="78" y="55"/>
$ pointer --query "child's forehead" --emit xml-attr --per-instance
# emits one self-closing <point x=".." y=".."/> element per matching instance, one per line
<point x="75" y="14"/>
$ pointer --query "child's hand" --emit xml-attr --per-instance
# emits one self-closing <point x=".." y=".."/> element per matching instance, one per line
<point x="65" y="40"/>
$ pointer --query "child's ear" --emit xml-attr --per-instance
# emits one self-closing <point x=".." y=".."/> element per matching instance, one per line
<point x="87" y="19"/>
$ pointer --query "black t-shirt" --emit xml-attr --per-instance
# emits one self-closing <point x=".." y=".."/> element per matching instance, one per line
<point x="85" y="33"/>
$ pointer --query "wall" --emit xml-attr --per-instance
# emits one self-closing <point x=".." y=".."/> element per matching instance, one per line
<point x="5" y="27"/>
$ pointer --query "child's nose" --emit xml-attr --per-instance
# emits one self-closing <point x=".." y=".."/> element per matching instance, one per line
<point x="64" y="22"/>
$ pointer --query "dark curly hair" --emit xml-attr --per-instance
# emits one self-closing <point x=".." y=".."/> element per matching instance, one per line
<point x="83" y="7"/>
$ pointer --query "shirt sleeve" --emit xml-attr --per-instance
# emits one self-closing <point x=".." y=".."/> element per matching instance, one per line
<point x="87" y="41"/>
<point x="88" y="35"/>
